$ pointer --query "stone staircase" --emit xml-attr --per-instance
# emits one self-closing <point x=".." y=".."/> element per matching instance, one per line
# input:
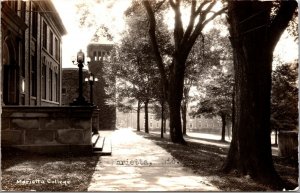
<point x="101" y="145"/>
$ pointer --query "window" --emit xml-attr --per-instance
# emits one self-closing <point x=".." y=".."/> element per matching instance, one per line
<point x="54" y="84"/>
<point x="56" y="44"/>
<point x="99" y="56"/>
<point x="33" y="76"/>
<point x="13" y="5"/>
<point x="57" y="88"/>
<point x="45" y="37"/>
<point x="150" y="125"/>
<point x="50" y="79"/>
<point x="51" y="43"/>
<point x="16" y="6"/>
<point x="21" y="60"/>
<point x="23" y="6"/>
<point x="44" y="80"/>
<point x="191" y="125"/>
<point x="34" y="21"/>
<point x="94" y="56"/>
<point x="63" y="91"/>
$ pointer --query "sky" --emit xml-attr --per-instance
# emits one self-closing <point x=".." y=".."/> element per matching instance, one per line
<point x="110" y="13"/>
<point x="104" y="12"/>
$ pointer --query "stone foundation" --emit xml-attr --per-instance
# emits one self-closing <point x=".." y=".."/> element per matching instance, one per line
<point x="47" y="129"/>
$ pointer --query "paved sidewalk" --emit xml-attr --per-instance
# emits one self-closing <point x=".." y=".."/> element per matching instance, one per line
<point x="137" y="164"/>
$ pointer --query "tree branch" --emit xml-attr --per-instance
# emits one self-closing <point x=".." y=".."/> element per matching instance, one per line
<point x="215" y="15"/>
<point x="158" y="5"/>
<point x="154" y="42"/>
<point x="178" y="28"/>
<point x="281" y="20"/>
<point x="201" y="6"/>
<point x="203" y="13"/>
<point x="190" y="27"/>
<point x="172" y="4"/>
<point x="202" y="22"/>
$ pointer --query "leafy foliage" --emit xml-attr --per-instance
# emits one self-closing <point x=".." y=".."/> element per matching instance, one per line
<point x="284" y="110"/>
<point x="218" y="96"/>
<point x="135" y="67"/>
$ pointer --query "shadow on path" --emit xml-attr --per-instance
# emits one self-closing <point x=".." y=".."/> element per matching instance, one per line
<point x="138" y="164"/>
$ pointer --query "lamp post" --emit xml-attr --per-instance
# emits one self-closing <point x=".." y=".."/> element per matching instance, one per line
<point x="80" y="100"/>
<point x="91" y="79"/>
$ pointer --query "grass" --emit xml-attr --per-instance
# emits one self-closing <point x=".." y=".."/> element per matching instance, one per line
<point x="32" y="172"/>
<point x="206" y="160"/>
<point x="71" y="173"/>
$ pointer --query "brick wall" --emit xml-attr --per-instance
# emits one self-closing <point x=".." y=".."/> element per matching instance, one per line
<point x="70" y="85"/>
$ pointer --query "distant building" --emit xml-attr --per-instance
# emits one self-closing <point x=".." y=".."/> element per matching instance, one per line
<point x="70" y="85"/>
<point x="101" y="57"/>
<point x="31" y="34"/>
<point x="197" y="124"/>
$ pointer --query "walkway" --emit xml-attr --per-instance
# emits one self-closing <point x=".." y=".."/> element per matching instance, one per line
<point x="137" y="164"/>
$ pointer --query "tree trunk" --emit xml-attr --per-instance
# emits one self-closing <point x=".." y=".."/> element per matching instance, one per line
<point x="162" y="120"/>
<point x="175" y="93"/>
<point x="223" y="117"/>
<point x="276" y="135"/>
<point x="250" y="149"/>
<point x="165" y="125"/>
<point x="146" y="117"/>
<point x="183" y="111"/>
<point x="138" y="116"/>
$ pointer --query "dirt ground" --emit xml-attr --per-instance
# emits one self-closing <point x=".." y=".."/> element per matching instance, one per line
<point x="206" y="160"/>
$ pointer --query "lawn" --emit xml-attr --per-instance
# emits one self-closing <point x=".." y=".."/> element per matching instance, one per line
<point x="206" y="160"/>
<point x="32" y="172"/>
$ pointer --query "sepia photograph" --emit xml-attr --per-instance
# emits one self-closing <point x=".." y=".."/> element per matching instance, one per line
<point x="149" y="95"/>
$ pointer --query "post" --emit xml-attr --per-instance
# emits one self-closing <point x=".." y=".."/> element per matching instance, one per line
<point x="80" y="97"/>
<point x="80" y="100"/>
<point x="91" y="93"/>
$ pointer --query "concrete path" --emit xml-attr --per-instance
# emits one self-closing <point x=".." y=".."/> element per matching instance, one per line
<point x="137" y="164"/>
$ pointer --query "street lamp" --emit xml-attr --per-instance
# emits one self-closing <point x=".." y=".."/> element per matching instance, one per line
<point x="80" y="100"/>
<point x="91" y="79"/>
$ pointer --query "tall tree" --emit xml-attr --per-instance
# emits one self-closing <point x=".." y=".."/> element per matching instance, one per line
<point x="183" y="42"/>
<point x="284" y="108"/>
<point x="255" y="28"/>
<point x="136" y="61"/>
<point x="161" y="113"/>
<point x="217" y="100"/>
<point x="208" y="51"/>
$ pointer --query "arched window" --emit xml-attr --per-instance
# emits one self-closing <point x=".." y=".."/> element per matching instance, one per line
<point x="10" y="72"/>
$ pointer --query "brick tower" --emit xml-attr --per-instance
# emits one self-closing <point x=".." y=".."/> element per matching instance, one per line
<point x="100" y="56"/>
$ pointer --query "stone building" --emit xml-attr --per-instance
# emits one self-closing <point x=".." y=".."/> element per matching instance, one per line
<point x="31" y="53"/>
<point x="100" y="55"/>
<point x="32" y="117"/>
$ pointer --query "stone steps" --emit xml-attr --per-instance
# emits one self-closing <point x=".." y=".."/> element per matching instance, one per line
<point x="99" y="145"/>
<point x="95" y="138"/>
<point x="103" y="146"/>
